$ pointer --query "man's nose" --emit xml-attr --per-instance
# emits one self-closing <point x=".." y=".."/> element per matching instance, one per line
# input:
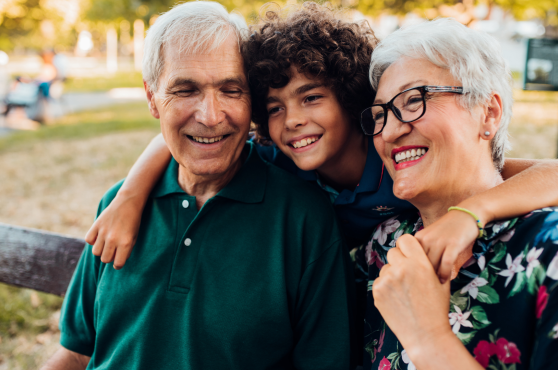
<point x="209" y="112"/>
<point x="294" y="119"/>
<point x="394" y="128"/>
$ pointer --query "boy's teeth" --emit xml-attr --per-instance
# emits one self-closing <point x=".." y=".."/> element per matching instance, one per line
<point x="304" y="142"/>
<point x="409" y="155"/>
<point x="207" y="140"/>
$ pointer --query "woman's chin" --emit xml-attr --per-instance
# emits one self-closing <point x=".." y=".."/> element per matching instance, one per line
<point x="405" y="189"/>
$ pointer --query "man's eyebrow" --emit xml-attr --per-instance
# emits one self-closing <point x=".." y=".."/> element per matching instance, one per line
<point x="401" y="88"/>
<point x="179" y="81"/>
<point x="230" y="80"/>
<point x="304" y="88"/>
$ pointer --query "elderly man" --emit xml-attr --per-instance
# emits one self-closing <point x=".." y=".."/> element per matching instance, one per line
<point x="237" y="265"/>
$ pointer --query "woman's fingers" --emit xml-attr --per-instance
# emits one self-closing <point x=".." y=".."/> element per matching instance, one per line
<point x="122" y="254"/>
<point x="108" y="251"/>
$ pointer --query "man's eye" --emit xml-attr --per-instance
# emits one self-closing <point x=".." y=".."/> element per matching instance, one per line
<point x="233" y="92"/>
<point x="185" y="92"/>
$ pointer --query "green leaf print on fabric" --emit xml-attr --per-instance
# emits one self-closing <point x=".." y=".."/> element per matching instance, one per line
<point x="520" y="282"/>
<point x="459" y="300"/>
<point x="499" y="253"/>
<point x="465" y="338"/>
<point x="480" y="320"/>
<point x="488" y="295"/>
<point x="536" y="279"/>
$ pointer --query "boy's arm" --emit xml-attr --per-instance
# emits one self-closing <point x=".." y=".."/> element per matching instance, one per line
<point x="114" y="233"/>
<point x="65" y="359"/>
<point x="529" y="185"/>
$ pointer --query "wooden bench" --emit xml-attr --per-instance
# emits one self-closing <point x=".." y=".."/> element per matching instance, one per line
<point x="38" y="259"/>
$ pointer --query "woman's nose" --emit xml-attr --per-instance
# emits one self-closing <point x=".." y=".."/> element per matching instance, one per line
<point x="394" y="128"/>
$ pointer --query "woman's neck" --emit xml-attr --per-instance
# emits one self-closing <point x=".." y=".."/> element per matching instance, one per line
<point x="434" y="205"/>
<point x="345" y="170"/>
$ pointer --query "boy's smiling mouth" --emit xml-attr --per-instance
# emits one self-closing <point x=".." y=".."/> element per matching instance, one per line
<point x="304" y="142"/>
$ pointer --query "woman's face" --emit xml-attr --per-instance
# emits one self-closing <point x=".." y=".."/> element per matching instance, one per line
<point x="448" y="133"/>
<point x="307" y="123"/>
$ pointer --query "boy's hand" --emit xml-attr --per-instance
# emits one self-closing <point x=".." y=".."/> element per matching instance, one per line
<point x="448" y="243"/>
<point x="114" y="232"/>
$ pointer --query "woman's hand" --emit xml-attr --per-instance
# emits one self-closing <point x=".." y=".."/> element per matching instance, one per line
<point x="448" y="243"/>
<point x="114" y="233"/>
<point x="410" y="297"/>
<point x="415" y="306"/>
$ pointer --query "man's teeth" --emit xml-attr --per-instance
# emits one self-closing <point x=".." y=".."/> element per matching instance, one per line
<point x="304" y="142"/>
<point x="409" y="155"/>
<point x="207" y="140"/>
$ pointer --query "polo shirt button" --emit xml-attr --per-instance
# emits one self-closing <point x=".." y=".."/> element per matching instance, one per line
<point x="187" y="242"/>
<point x="185" y="204"/>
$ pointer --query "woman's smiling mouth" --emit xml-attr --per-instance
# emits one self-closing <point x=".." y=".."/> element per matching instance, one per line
<point x="407" y="156"/>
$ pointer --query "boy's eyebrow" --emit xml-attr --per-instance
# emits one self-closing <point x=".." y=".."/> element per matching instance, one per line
<point x="304" y="88"/>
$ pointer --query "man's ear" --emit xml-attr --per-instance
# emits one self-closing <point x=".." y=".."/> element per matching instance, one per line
<point x="492" y="117"/>
<point x="151" y="101"/>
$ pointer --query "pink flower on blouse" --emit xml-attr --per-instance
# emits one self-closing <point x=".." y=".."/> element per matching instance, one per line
<point x="373" y="257"/>
<point x="384" y="364"/>
<point x="542" y="300"/>
<point x="483" y="351"/>
<point x="507" y="352"/>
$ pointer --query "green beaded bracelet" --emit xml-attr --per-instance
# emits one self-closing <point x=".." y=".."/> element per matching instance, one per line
<point x="479" y="225"/>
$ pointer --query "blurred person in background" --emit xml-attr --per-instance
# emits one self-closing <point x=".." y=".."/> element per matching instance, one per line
<point x="440" y="124"/>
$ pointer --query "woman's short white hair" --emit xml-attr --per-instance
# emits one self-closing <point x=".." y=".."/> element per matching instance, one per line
<point x="196" y="26"/>
<point x="471" y="56"/>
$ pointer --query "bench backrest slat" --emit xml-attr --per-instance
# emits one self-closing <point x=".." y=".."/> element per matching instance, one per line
<point x="37" y="259"/>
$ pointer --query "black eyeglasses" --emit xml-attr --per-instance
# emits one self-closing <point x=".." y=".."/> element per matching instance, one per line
<point x="408" y="106"/>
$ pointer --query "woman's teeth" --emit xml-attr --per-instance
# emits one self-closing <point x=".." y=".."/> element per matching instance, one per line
<point x="304" y="142"/>
<point x="206" y="140"/>
<point x="409" y="155"/>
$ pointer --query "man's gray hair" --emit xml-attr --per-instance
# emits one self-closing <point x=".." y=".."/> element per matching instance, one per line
<point x="471" y="56"/>
<point x="196" y="26"/>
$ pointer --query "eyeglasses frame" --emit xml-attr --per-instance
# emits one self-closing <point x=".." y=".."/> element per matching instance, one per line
<point x="423" y="90"/>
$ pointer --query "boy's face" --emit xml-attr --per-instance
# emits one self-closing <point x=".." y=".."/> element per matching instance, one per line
<point x="307" y="122"/>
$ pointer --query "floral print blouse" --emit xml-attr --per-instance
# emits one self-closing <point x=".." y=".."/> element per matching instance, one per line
<point x="504" y="302"/>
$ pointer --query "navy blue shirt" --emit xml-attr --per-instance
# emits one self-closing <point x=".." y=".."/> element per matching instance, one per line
<point x="359" y="210"/>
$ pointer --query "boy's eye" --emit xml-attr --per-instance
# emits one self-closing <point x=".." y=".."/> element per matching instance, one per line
<point x="273" y="110"/>
<point x="312" y="98"/>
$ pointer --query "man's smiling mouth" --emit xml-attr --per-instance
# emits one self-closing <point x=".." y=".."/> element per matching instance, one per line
<point x="207" y="140"/>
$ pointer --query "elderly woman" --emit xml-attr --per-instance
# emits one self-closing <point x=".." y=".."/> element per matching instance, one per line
<point x="439" y="121"/>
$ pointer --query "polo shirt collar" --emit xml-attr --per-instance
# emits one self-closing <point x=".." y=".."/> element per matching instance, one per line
<point x="247" y="186"/>
<point x="370" y="180"/>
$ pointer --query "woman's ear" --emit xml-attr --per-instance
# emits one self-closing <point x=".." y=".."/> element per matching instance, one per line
<point x="492" y="117"/>
<point x="151" y="101"/>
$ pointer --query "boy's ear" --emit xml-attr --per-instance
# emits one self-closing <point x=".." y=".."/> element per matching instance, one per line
<point x="151" y="101"/>
<point x="492" y="117"/>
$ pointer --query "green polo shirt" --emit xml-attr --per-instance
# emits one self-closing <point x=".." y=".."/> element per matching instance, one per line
<point x="257" y="279"/>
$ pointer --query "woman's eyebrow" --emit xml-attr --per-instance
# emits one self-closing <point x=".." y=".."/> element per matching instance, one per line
<point x="401" y="88"/>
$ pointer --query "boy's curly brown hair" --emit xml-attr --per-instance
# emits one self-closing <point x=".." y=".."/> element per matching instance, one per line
<point x="319" y="44"/>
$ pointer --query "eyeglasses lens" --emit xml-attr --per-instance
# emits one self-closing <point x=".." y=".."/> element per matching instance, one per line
<point x="408" y="106"/>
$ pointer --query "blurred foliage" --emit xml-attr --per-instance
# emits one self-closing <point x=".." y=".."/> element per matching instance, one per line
<point x="120" y="79"/>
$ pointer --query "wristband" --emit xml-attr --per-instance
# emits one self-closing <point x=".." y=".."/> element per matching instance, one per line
<point x="478" y="221"/>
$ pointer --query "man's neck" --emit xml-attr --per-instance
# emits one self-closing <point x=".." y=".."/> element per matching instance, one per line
<point x="433" y="206"/>
<point x="205" y="187"/>
<point x="345" y="171"/>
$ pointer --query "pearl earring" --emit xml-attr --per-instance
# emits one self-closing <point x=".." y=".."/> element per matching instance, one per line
<point x="487" y="133"/>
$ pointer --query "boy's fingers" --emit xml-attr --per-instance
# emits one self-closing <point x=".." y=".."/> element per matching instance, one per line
<point x="91" y="236"/>
<point x="108" y="252"/>
<point x="98" y="246"/>
<point x="121" y="256"/>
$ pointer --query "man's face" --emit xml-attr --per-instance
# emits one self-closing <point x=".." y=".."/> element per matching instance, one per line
<point x="203" y="104"/>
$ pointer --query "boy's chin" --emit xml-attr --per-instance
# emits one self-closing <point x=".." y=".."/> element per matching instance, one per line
<point x="307" y="164"/>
